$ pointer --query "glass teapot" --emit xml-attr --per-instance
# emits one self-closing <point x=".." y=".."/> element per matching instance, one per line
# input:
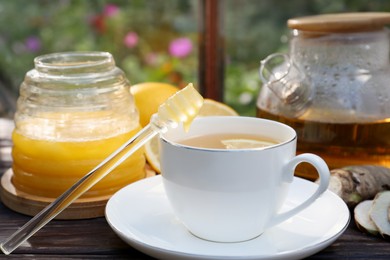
<point x="333" y="88"/>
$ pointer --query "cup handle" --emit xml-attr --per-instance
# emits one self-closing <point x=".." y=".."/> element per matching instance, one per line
<point x="288" y="171"/>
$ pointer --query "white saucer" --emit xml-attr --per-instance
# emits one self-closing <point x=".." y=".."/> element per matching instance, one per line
<point x="141" y="216"/>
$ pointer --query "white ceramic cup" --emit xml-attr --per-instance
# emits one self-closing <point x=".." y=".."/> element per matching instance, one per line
<point x="233" y="195"/>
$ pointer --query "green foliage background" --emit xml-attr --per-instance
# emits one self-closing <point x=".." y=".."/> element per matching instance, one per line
<point x="256" y="28"/>
<point x="252" y="29"/>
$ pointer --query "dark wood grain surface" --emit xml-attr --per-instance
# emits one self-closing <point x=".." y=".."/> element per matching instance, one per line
<point x="94" y="239"/>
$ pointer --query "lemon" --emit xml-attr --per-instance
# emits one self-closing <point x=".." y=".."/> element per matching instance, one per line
<point x="245" y="143"/>
<point x="214" y="108"/>
<point x="210" y="108"/>
<point x="148" y="96"/>
<point x="152" y="154"/>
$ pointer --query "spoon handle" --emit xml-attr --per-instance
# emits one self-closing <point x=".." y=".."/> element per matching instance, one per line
<point x="85" y="183"/>
<point x="182" y="107"/>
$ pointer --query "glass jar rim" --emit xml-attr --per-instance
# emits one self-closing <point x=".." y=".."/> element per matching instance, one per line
<point x="78" y="60"/>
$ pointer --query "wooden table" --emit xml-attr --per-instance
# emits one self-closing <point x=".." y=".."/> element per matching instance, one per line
<point x="94" y="239"/>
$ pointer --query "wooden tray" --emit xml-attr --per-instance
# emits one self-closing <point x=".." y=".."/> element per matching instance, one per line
<point x="31" y="205"/>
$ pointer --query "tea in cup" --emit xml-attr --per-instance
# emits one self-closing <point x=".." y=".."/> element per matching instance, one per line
<point x="228" y="177"/>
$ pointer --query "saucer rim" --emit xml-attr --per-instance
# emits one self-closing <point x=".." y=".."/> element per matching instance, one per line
<point x="163" y="253"/>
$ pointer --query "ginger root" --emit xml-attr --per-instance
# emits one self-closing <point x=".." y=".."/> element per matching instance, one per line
<point x="358" y="183"/>
<point x="362" y="218"/>
<point x="371" y="216"/>
<point x="378" y="213"/>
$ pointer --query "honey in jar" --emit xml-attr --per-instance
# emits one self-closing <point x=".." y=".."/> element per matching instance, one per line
<point x="74" y="110"/>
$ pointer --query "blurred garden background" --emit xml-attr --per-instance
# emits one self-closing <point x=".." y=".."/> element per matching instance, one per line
<point x="155" y="40"/>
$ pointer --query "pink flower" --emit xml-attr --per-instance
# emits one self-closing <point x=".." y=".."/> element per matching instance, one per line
<point x="151" y="58"/>
<point x="131" y="39"/>
<point x="180" y="47"/>
<point x="110" y="10"/>
<point x="33" y="44"/>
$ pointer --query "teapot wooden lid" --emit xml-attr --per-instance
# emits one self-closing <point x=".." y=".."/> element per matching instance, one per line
<point x="341" y="22"/>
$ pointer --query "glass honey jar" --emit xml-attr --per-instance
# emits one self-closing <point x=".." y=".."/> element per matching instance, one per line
<point x="74" y="109"/>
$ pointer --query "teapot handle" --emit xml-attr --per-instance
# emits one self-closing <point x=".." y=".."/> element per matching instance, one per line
<point x="288" y="82"/>
<point x="268" y="65"/>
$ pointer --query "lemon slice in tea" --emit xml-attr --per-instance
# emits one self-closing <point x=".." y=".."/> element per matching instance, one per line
<point x="210" y="108"/>
<point x="245" y="143"/>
